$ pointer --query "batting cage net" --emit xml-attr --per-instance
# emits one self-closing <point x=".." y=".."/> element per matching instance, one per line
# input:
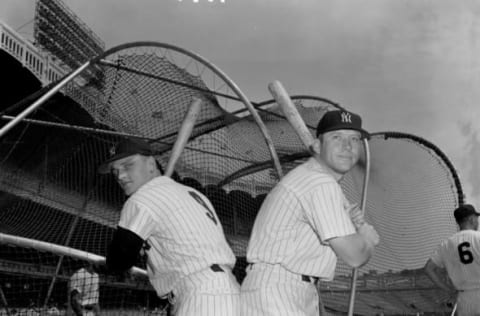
<point x="411" y="194"/>
<point x="58" y="214"/>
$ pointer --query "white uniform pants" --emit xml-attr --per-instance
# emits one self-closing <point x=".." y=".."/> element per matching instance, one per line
<point x="270" y="290"/>
<point x="207" y="293"/>
<point x="468" y="303"/>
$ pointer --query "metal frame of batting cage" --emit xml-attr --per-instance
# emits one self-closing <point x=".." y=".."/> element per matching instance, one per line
<point x="363" y="203"/>
<point x="437" y="151"/>
<point x="444" y="159"/>
<point x="100" y="60"/>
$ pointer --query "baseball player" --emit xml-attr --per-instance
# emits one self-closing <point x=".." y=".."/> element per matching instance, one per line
<point x="176" y="226"/>
<point x="459" y="255"/>
<point x="84" y="291"/>
<point x="304" y="223"/>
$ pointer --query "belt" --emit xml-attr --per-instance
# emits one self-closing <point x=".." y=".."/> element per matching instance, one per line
<point x="216" y="268"/>
<point x="309" y="279"/>
<point x="304" y="277"/>
<point x="171" y="297"/>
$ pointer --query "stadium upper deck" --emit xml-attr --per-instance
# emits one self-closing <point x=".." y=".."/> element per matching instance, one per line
<point x="43" y="65"/>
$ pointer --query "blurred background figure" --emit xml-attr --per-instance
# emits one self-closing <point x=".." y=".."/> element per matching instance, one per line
<point x="84" y="291"/>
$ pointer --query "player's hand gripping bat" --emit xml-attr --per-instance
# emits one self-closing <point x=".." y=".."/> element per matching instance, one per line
<point x="183" y="134"/>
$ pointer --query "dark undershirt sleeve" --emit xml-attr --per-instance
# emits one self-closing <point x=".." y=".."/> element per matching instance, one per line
<point x="123" y="250"/>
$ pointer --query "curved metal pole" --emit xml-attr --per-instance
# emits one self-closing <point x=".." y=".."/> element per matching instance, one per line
<point x="4" y="301"/>
<point x="362" y="205"/>
<point x="222" y="75"/>
<point x="42" y="99"/>
<point x="454" y="309"/>
<point x="263" y="129"/>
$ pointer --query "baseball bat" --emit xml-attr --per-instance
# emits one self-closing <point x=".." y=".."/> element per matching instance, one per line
<point x="291" y="113"/>
<point x="183" y="134"/>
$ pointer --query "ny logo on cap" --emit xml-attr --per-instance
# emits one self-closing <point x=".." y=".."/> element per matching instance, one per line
<point x="346" y="117"/>
<point x="112" y="151"/>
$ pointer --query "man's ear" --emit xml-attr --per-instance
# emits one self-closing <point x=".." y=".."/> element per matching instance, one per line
<point x="316" y="146"/>
<point x="472" y="220"/>
<point x="152" y="163"/>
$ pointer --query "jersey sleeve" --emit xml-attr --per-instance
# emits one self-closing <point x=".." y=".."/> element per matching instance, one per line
<point x="325" y="207"/>
<point x="137" y="218"/>
<point x="437" y="256"/>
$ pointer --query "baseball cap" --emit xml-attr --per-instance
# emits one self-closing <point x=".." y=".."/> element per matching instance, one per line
<point x="125" y="148"/>
<point x="464" y="211"/>
<point x="341" y="119"/>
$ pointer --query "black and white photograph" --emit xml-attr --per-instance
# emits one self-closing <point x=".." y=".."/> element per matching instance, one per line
<point x="239" y="158"/>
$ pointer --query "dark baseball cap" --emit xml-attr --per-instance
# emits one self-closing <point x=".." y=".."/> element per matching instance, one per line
<point x="464" y="211"/>
<point x="125" y="148"/>
<point x="341" y="119"/>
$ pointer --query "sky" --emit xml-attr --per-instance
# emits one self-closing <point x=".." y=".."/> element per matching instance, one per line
<point x="409" y="66"/>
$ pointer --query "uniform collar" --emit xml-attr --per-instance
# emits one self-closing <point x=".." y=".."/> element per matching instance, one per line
<point x="313" y="164"/>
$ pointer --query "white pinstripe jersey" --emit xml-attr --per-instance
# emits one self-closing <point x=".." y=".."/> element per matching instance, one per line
<point x="181" y="227"/>
<point x="460" y="256"/>
<point x="298" y="217"/>
<point x="86" y="284"/>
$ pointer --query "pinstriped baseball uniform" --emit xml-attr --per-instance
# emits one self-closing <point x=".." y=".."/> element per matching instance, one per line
<point x="185" y="239"/>
<point x="460" y="256"/>
<point x="290" y="239"/>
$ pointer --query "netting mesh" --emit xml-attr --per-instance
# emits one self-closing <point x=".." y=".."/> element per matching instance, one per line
<point x="412" y="192"/>
<point x="50" y="190"/>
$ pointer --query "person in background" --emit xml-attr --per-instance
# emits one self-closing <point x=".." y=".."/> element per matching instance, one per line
<point x="459" y="257"/>
<point x="84" y="291"/>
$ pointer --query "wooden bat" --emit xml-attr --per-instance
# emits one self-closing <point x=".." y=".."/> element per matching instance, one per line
<point x="291" y="113"/>
<point x="183" y="134"/>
